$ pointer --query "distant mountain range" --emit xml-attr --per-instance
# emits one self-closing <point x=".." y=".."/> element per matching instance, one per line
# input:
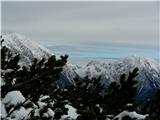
<point x="109" y="70"/>
<point x="148" y="78"/>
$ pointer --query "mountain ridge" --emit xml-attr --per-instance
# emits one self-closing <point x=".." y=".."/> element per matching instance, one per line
<point x="24" y="46"/>
<point x="109" y="70"/>
<point x="148" y="78"/>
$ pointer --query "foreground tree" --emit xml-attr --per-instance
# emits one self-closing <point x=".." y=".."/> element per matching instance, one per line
<point x="94" y="101"/>
<point x="154" y="108"/>
<point x="122" y="93"/>
<point x="34" y="82"/>
<point x="9" y="68"/>
<point x="86" y="96"/>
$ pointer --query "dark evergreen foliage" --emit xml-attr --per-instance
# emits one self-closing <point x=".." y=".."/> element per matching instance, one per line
<point x="92" y="103"/>
<point x="9" y="69"/>
<point x="119" y="94"/>
<point x="154" y="108"/>
<point x="34" y="82"/>
<point x="86" y="97"/>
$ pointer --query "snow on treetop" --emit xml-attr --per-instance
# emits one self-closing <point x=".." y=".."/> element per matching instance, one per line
<point x="13" y="98"/>
<point x="132" y="115"/>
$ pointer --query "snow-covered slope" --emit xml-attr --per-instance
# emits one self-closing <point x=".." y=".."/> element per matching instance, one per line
<point x="67" y="75"/>
<point x="148" y="78"/>
<point x="27" y="48"/>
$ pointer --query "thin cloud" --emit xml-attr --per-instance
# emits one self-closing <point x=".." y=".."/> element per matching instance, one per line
<point x="116" y="24"/>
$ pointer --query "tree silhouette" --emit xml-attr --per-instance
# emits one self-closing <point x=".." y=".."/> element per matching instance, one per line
<point x="9" y="68"/>
<point x="34" y="82"/>
<point x="120" y="94"/>
<point x="154" y="109"/>
<point x="86" y="95"/>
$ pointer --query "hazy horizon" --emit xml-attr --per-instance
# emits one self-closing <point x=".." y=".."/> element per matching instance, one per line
<point x="87" y="30"/>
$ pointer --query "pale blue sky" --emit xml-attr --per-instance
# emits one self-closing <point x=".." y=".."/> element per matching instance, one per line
<point x="87" y="29"/>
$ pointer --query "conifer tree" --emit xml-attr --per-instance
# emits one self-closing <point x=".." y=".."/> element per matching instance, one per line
<point x="34" y="82"/>
<point x="9" y="68"/>
<point x="154" y="109"/>
<point x="120" y="94"/>
<point x="86" y="96"/>
<point x="93" y="103"/>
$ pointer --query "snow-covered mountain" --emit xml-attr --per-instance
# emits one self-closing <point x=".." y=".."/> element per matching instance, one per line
<point x="27" y="48"/>
<point x="67" y="75"/>
<point x="109" y="70"/>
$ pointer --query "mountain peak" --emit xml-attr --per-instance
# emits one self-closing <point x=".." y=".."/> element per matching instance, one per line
<point x="24" y="46"/>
